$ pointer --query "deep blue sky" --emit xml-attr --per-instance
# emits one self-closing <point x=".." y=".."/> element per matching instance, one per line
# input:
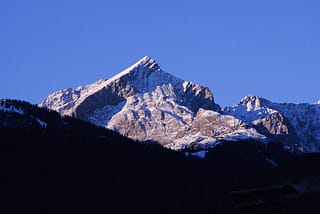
<point x="267" y="48"/>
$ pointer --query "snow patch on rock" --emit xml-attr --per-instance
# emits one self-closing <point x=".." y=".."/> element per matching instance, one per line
<point x="145" y="103"/>
<point x="297" y="124"/>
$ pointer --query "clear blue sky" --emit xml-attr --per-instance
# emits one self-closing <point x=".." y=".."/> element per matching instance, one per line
<point x="267" y="48"/>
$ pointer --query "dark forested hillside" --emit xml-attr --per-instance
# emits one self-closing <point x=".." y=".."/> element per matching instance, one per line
<point x="70" y="166"/>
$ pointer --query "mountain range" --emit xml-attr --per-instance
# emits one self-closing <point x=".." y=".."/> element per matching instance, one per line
<point x="58" y="156"/>
<point x="145" y="103"/>
<point x="60" y="164"/>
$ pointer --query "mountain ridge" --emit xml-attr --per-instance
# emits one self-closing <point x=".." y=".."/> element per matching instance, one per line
<point x="145" y="103"/>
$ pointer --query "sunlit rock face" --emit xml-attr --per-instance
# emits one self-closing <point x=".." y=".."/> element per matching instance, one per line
<point x="294" y="125"/>
<point x="145" y="103"/>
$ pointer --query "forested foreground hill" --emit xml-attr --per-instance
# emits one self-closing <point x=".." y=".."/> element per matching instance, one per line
<point x="51" y="164"/>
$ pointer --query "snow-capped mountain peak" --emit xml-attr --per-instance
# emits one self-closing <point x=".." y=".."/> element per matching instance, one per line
<point x="141" y="77"/>
<point x="289" y="123"/>
<point x="145" y="65"/>
<point x="149" y="62"/>
<point x="250" y="108"/>
<point x="253" y="102"/>
<point x="145" y="103"/>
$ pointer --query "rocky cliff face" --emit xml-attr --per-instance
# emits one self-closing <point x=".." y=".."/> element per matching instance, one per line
<point x="145" y="103"/>
<point x="295" y="125"/>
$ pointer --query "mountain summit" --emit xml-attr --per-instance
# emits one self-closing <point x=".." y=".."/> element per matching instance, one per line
<point x="146" y="103"/>
<point x="294" y="125"/>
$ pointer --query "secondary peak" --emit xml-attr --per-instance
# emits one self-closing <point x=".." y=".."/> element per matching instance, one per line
<point x="148" y="62"/>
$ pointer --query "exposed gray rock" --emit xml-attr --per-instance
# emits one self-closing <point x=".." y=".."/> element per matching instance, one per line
<point x="295" y="125"/>
<point x="146" y="103"/>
